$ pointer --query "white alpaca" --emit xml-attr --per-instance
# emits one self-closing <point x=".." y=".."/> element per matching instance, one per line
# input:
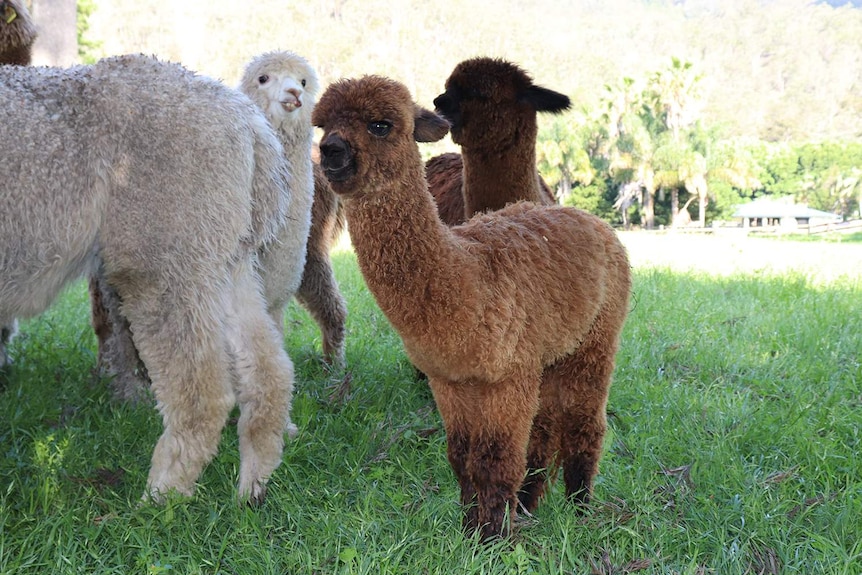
<point x="284" y="87"/>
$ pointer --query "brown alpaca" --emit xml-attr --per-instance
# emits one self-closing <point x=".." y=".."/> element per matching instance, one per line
<point x="515" y="316"/>
<point x="491" y="105"/>
<point x="17" y="33"/>
<point x="319" y="293"/>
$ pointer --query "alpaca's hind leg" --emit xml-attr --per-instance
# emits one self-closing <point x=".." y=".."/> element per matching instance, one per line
<point x="180" y="337"/>
<point x="543" y="447"/>
<point x="118" y="357"/>
<point x="319" y="294"/>
<point x="264" y="384"/>
<point x="582" y="382"/>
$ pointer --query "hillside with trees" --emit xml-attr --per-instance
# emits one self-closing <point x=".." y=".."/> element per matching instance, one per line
<point x="678" y="104"/>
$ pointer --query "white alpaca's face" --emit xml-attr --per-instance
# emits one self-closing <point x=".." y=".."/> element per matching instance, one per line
<point x="284" y="86"/>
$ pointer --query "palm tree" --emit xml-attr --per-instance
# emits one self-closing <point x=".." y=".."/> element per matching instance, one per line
<point x="629" y="145"/>
<point x="671" y="103"/>
<point x="561" y="155"/>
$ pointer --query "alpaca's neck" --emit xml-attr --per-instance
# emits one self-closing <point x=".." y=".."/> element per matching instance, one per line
<point x="493" y="178"/>
<point x="410" y="260"/>
<point x="297" y="142"/>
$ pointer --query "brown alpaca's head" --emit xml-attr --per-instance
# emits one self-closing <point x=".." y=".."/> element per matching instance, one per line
<point x="17" y="33"/>
<point x="491" y="103"/>
<point x="370" y="129"/>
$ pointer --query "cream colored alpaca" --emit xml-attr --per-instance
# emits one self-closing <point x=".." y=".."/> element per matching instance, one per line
<point x="284" y="86"/>
<point x="514" y="316"/>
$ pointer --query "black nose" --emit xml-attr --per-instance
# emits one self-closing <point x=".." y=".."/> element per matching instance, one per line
<point x="333" y="149"/>
<point x="444" y="103"/>
<point x="336" y="158"/>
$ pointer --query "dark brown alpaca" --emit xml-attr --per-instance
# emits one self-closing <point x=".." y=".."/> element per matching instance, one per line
<point x="17" y="33"/>
<point x="491" y="105"/>
<point x="515" y="316"/>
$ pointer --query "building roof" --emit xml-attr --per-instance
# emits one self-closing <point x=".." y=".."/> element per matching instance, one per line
<point x="781" y="208"/>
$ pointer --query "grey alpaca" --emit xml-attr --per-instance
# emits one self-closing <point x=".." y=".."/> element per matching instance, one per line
<point x="17" y="34"/>
<point x="105" y="172"/>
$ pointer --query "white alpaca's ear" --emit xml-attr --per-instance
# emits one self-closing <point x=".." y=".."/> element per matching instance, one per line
<point x="428" y="126"/>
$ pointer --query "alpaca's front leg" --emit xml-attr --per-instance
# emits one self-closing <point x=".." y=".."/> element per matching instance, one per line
<point x="488" y="427"/>
<point x="118" y="357"/>
<point x="458" y="451"/>
<point x="319" y="294"/>
<point x="496" y="468"/>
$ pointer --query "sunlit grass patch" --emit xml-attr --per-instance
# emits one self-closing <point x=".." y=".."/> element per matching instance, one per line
<point x="733" y="447"/>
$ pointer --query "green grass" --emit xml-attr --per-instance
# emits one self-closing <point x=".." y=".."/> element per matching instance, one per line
<point x="733" y="447"/>
<point x="846" y="238"/>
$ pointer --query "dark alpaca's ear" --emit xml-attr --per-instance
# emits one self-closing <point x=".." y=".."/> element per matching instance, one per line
<point x="545" y="100"/>
<point x="428" y="126"/>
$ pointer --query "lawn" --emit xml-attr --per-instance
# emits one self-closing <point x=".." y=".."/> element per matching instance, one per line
<point x="733" y="445"/>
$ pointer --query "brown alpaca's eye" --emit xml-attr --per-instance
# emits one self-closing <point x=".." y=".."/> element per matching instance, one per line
<point x="263" y="78"/>
<point x="379" y="129"/>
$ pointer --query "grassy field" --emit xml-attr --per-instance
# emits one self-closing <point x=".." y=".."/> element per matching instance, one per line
<point x="734" y="441"/>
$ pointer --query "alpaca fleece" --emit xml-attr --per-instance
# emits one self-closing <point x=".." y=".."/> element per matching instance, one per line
<point x="101" y="171"/>
<point x="514" y="316"/>
<point x="17" y="34"/>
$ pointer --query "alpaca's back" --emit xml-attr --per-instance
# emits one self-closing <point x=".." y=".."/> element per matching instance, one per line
<point x="49" y="215"/>
<point x="445" y="177"/>
<point x="552" y="270"/>
<point x="143" y="141"/>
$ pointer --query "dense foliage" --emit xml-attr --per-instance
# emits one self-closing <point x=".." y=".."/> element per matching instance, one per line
<point x="702" y="104"/>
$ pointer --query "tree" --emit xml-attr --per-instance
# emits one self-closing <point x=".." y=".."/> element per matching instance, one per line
<point x="561" y="155"/>
<point x="628" y="145"/>
<point x="57" y="22"/>
<point x="671" y="103"/>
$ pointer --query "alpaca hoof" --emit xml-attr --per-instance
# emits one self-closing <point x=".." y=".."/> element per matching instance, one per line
<point x="256" y="496"/>
<point x="292" y="430"/>
<point x="158" y="497"/>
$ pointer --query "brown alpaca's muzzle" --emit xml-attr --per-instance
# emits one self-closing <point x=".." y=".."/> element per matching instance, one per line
<point x="337" y="158"/>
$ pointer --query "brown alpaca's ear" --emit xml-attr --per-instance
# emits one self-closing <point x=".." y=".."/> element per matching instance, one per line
<point x="428" y="126"/>
<point x="545" y="100"/>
